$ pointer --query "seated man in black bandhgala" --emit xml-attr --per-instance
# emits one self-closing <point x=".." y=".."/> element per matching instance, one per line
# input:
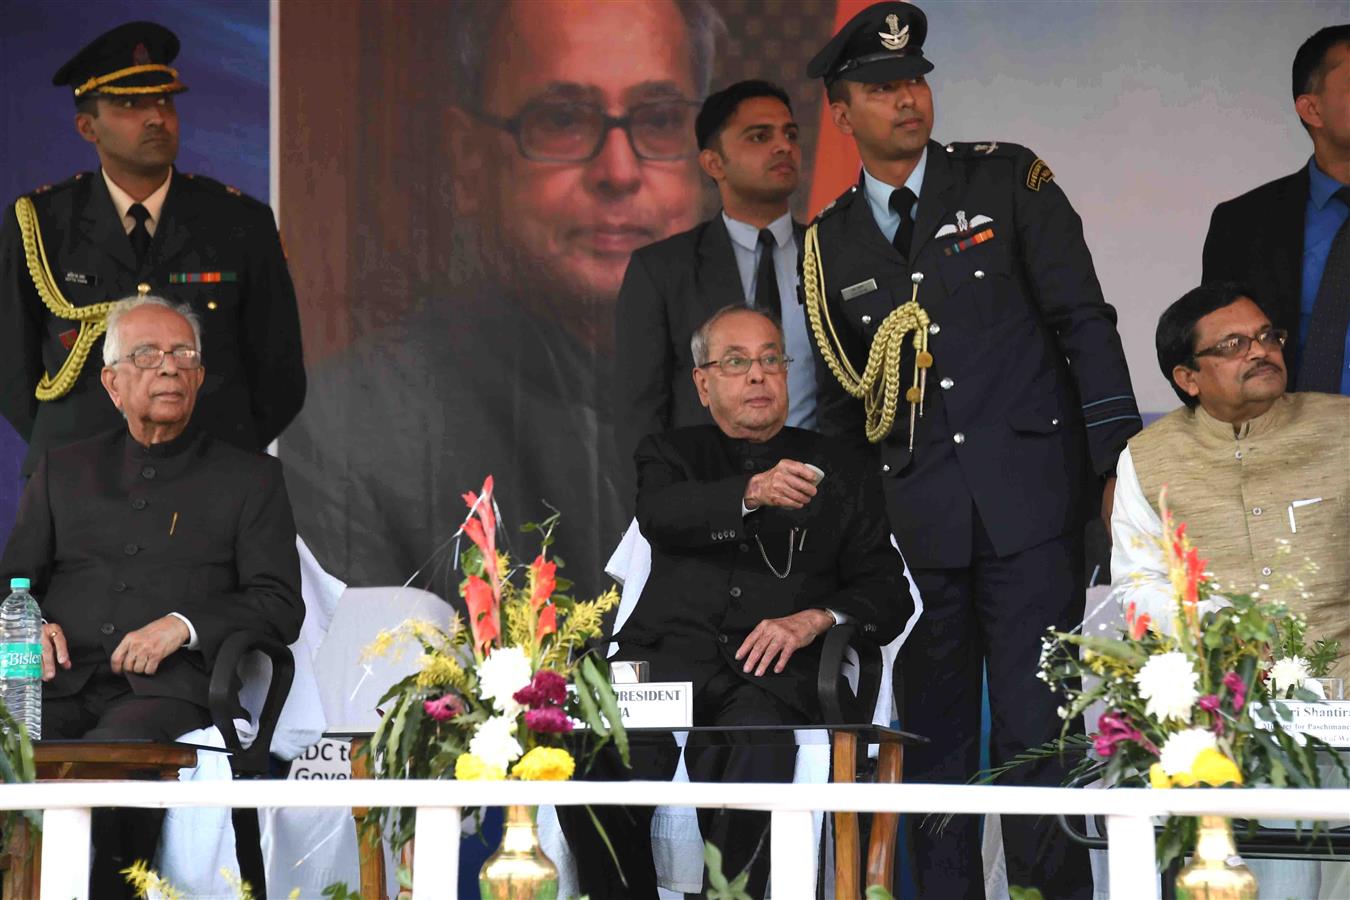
<point x="147" y="547"/>
<point x="754" y="556"/>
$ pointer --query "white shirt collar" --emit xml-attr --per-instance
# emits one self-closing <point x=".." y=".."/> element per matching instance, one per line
<point x="879" y="192"/>
<point x="747" y="235"/>
<point x="154" y="204"/>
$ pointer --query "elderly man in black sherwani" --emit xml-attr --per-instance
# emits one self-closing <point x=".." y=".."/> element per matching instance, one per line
<point x="754" y="556"/>
<point x="147" y="547"/>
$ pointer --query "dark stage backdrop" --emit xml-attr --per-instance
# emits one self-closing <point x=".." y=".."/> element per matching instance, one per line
<point x="224" y="114"/>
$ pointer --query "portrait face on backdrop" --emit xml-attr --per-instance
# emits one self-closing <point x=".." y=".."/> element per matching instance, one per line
<point x="580" y="151"/>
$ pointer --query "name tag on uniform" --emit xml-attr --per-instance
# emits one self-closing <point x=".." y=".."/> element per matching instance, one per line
<point x="81" y="278"/>
<point x="857" y="290"/>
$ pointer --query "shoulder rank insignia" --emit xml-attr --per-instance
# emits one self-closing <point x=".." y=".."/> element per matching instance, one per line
<point x="1039" y="175"/>
<point x="231" y="189"/>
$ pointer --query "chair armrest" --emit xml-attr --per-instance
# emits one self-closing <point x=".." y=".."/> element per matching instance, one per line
<point x="838" y="704"/>
<point x="224" y="697"/>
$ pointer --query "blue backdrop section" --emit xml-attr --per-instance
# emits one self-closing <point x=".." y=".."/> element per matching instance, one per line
<point x="224" y="115"/>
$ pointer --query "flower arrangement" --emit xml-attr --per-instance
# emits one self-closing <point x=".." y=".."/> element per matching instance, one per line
<point x="1195" y="700"/>
<point x="490" y="698"/>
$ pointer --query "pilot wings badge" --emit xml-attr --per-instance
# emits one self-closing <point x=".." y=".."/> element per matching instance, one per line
<point x="898" y="37"/>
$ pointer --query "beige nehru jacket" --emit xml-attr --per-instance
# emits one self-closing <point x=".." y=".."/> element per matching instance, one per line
<point x="1269" y="505"/>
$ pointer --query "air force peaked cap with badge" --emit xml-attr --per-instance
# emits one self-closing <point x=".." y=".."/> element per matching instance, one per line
<point x="130" y="60"/>
<point x="882" y="43"/>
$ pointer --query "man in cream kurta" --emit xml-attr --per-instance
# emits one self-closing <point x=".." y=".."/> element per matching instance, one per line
<point x="1261" y="477"/>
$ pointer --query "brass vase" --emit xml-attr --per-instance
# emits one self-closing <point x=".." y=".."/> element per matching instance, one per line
<point x="1216" y="872"/>
<point x="519" y="870"/>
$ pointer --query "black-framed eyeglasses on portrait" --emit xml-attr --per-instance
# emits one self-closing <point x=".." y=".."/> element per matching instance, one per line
<point x="568" y="132"/>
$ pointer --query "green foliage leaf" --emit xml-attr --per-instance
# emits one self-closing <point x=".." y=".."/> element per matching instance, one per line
<point x="1016" y="892"/>
<point x="609" y="704"/>
<point x="877" y="892"/>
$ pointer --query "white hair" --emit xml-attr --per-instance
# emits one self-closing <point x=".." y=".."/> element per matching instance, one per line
<point x="698" y="344"/>
<point x="112" y="341"/>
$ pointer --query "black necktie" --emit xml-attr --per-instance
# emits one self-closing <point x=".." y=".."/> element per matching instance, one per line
<point x="902" y="201"/>
<point x="139" y="234"/>
<point x="1323" y="362"/>
<point x="766" y="277"/>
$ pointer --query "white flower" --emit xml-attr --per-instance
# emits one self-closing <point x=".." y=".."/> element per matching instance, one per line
<point x="505" y="671"/>
<point x="1168" y="682"/>
<point x="1289" y="672"/>
<point x="495" y="742"/>
<point x="1180" y="750"/>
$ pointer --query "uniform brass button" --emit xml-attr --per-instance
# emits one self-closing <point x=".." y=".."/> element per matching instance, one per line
<point x="1054" y="421"/>
<point x="148" y="472"/>
<point x="885" y="467"/>
<point x="138" y="503"/>
<point x="946" y="384"/>
<point x="933" y="328"/>
<point x="143" y="288"/>
<point x="735" y="592"/>
<point x="1266" y="570"/>
<point x="917" y="278"/>
<point x="959" y="437"/>
<point x="107" y="628"/>
<point x="120" y="587"/>
<point x="130" y="549"/>
<point x="979" y="274"/>
<point x="1256" y="511"/>
<point x="867" y="320"/>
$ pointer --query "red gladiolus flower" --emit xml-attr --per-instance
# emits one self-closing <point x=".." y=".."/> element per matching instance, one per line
<point x="1138" y="626"/>
<point x="545" y="580"/>
<point x="548" y="622"/>
<point x="549" y="720"/>
<point x="443" y="709"/>
<point x="483" y="615"/>
<point x="1209" y="703"/>
<point x="483" y="530"/>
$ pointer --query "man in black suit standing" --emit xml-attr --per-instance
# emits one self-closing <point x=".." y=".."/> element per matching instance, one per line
<point x="138" y="225"/>
<point x="754" y="556"/>
<point x="747" y="254"/>
<point x="997" y="400"/>
<point x="1290" y="238"/>
<point x="147" y="547"/>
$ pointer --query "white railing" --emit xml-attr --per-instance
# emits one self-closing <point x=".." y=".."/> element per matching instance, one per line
<point x="1129" y="813"/>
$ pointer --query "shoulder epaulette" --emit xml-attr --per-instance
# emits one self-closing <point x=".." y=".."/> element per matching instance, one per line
<point x="977" y="149"/>
<point x="60" y="186"/>
<point x="1031" y="169"/>
<point x="838" y="203"/>
<point x="219" y="187"/>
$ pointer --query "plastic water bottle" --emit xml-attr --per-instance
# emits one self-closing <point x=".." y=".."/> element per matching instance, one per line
<point x="21" y="657"/>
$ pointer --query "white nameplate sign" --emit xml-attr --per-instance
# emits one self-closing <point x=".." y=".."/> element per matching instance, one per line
<point x="1328" y="720"/>
<point x="328" y="759"/>
<point x="656" y="704"/>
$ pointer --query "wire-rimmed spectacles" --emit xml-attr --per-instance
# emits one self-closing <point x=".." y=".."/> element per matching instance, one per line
<point x="153" y="357"/>
<point x="736" y="366"/>
<point x="550" y="131"/>
<point x="1236" y="345"/>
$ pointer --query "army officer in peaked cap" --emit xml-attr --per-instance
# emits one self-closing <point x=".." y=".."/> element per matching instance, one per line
<point x="138" y="225"/>
<point x="996" y="419"/>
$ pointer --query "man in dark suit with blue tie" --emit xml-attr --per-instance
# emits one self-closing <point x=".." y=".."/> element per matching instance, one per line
<point x="1290" y="238"/>
<point x="747" y="254"/>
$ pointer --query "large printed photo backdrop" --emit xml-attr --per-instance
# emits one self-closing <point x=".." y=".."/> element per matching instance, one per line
<point x="457" y="296"/>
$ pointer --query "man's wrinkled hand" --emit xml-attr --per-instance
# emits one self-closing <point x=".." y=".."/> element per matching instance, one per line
<point x="142" y="650"/>
<point x="54" y="650"/>
<point x="780" y="638"/>
<point x="789" y="484"/>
